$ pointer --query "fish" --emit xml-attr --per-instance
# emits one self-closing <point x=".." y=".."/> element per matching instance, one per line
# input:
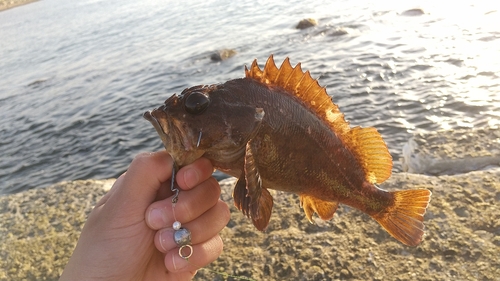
<point x="277" y="128"/>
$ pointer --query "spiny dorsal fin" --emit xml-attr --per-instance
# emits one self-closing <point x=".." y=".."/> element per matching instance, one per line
<point x="366" y="143"/>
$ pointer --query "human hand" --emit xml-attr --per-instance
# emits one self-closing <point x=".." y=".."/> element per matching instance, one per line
<point x="124" y="239"/>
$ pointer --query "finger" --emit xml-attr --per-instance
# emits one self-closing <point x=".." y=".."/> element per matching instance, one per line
<point x="142" y="181"/>
<point x="202" y="254"/>
<point x="113" y="189"/>
<point x="202" y="229"/>
<point x="194" y="173"/>
<point x="190" y="205"/>
<point x="179" y="276"/>
<point x="164" y="191"/>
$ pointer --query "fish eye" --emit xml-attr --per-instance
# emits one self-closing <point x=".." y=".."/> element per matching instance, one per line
<point x="196" y="103"/>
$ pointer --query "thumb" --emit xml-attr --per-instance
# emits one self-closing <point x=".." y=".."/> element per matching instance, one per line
<point x="139" y="186"/>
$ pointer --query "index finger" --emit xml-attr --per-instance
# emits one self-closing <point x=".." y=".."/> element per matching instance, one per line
<point x="194" y="173"/>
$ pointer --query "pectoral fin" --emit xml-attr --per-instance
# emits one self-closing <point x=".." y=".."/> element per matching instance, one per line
<point x="250" y="196"/>
<point x="324" y="209"/>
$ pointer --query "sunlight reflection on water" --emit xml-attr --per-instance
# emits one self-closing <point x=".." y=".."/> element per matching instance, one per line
<point x="77" y="76"/>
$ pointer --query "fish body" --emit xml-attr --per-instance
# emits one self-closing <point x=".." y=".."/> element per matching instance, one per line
<point x="278" y="129"/>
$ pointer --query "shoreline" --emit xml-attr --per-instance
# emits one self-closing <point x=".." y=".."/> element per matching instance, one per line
<point x="5" y="5"/>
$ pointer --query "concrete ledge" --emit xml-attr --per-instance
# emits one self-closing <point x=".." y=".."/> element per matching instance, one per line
<point x="452" y="152"/>
<point x="9" y="4"/>
<point x="39" y="229"/>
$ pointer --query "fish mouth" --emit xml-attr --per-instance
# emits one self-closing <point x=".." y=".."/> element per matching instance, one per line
<point x="179" y="141"/>
<point x="154" y="119"/>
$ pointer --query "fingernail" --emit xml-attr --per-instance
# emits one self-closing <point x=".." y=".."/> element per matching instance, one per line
<point x="178" y="263"/>
<point x="157" y="218"/>
<point x="163" y="239"/>
<point x="191" y="177"/>
<point x="173" y="262"/>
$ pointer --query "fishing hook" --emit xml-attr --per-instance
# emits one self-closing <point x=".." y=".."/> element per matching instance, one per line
<point x="199" y="140"/>
<point x="172" y="184"/>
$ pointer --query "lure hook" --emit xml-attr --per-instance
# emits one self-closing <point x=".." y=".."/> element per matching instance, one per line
<point x="173" y="188"/>
<point x="199" y="140"/>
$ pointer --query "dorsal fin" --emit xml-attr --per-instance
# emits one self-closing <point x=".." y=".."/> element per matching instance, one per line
<point x="372" y="152"/>
<point x="366" y="143"/>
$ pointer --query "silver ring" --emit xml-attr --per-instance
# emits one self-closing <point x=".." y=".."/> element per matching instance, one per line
<point x="182" y="237"/>
<point x="190" y="251"/>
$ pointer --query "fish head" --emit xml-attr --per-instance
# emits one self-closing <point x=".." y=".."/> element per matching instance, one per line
<point x="205" y="120"/>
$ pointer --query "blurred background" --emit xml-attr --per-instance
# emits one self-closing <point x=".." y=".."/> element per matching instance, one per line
<point x="76" y="76"/>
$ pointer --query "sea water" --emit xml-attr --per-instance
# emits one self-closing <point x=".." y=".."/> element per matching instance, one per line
<point x="76" y="76"/>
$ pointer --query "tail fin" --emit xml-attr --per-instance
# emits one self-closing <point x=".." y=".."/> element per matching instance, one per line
<point x="404" y="219"/>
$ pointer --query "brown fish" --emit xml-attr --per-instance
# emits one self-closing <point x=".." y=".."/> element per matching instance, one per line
<point x="277" y="128"/>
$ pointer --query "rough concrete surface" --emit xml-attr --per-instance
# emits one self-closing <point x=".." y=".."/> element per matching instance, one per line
<point x="452" y="151"/>
<point x="40" y="228"/>
<point x="8" y="4"/>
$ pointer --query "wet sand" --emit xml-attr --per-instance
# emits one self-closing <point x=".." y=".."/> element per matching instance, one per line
<point x="8" y="4"/>
<point x="40" y="229"/>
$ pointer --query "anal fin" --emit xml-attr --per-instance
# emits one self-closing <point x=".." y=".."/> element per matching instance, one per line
<point x="250" y="196"/>
<point x="324" y="209"/>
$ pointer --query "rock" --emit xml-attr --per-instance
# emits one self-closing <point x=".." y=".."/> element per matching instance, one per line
<point x="223" y="54"/>
<point x="344" y="273"/>
<point x="452" y="152"/>
<point x="37" y="83"/>
<point x="413" y="12"/>
<point x="306" y="23"/>
<point x="337" y="31"/>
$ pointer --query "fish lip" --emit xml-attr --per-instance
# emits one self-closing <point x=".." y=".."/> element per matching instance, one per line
<point x="149" y="115"/>
<point x="174" y="138"/>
